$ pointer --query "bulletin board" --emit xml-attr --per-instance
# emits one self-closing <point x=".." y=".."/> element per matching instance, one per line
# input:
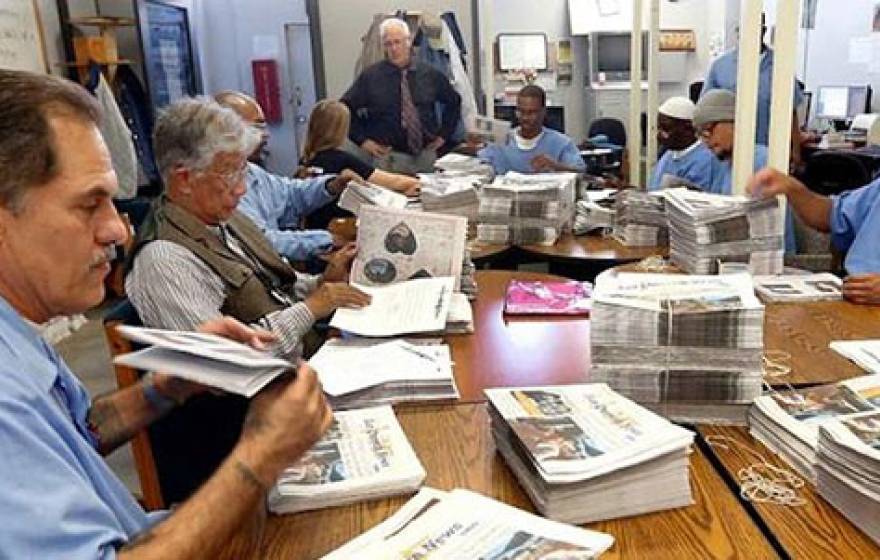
<point x="21" y="37"/>
<point x="169" y="60"/>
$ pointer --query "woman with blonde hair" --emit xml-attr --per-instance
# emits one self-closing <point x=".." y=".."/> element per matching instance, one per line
<point x="328" y="129"/>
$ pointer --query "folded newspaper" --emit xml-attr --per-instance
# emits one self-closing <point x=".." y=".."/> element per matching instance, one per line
<point x="358" y="194"/>
<point x="585" y="453"/>
<point x="204" y="358"/>
<point x="360" y="372"/>
<point x="864" y="353"/>
<point x="787" y="422"/>
<point x="848" y="469"/>
<point x="363" y="456"/>
<point x="783" y="288"/>
<point x="463" y="525"/>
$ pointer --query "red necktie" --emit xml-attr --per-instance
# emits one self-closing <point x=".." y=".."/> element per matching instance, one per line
<point x="409" y="117"/>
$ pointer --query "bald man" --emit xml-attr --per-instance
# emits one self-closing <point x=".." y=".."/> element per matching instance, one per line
<point x="278" y="204"/>
<point x="686" y="157"/>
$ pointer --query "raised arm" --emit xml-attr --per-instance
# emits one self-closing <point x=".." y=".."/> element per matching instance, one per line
<point x="814" y="209"/>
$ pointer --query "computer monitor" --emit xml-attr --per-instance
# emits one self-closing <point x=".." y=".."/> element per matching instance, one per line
<point x="842" y="102"/>
<point x="611" y="56"/>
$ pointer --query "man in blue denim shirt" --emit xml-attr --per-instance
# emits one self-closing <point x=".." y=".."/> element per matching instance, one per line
<point x="57" y="228"/>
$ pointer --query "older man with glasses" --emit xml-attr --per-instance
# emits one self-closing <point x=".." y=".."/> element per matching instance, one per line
<point x="197" y="257"/>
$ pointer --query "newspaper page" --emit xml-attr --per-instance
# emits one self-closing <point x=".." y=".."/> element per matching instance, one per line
<point x="865" y="353"/>
<point x="412" y="306"/>
<point x="345" y="369"/>
<point x="859" y="432"/>
<point x="363" y="452"/>
<point x="357" y="195"/>
<point x="487" y="129"/>
<point x="396" y="245"/>
<point x="576" y="432"/>
<point x="462" y="524"/>
<point x="799" y="287"/>
<point x="689" y="293"/>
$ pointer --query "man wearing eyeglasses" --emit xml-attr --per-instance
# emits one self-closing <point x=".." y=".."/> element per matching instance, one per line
<point x="393" y="107"/>
<point x="532" y="147"/>
<point x="197" y="258"/>
<point x="278" y="204"/>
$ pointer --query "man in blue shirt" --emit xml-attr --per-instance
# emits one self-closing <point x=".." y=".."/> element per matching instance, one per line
<point x="852" y="217"/>
<point x="722" y="75"/>
<point x="58" y="226"/>
<point x="532" y="147"/>
<point x="278" y="204"/>
<point x="686" y="156"/>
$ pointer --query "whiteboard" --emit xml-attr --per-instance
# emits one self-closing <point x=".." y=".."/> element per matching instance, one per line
<point x="522" y="51"/>
<point x="21" y="41"/>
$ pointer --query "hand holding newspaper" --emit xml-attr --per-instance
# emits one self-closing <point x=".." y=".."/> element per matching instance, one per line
<point x="208" y="359"/>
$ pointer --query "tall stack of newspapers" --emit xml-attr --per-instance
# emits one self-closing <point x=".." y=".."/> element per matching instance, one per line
<point x="688" y="347"/>
<point x="527" y="209"/>
<point x="462" y="524"/>
<point x="787" y="422"/>
<point x="453" y="164"/>
<point x="585" y="453"/>
<point x="387" y="372"/>
<point x="457" y="195"/>
<point x="848" y="469"/>
<point x="707" y="229"/>
<point x="364" y="455"/>
<point x="640" y="219"/>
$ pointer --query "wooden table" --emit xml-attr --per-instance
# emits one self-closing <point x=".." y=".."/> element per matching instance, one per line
<point x="515" y="351"/>
<point x="815" y="530"/>
<point x="585" y="256"/>
<point x="455" y="446"/>
<point x="486" y="253"/>
<point x="804" y="331"/>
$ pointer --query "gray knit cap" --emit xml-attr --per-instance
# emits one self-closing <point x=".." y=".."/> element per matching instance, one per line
<point x="718" y="105"/>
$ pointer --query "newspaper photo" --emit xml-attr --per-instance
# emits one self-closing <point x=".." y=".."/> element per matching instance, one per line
<point x="487" y="129"/>
<point x="799" y="287"/>
<point x="396" y="245"/>
<point x="364" y="454"/>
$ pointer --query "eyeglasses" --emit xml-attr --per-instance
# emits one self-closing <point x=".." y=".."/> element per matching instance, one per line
<point x="705" y="132"/>
<point x="233" y="179"/>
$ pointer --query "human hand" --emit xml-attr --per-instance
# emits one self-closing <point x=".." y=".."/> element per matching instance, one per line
<point x="178" y="389"/>
<point x="412" y="187"/>
<point x="543" y="163"/>
<point x="339" y="263"/>
<point x="336" y="185"/>
<point x="769" y="182"/>
<point x="284" y="421"/>
<point x="862" y="288"/>
<point x="435" y="144"/>
<point x="375" y="149"/>
<point x="330" y="296"/>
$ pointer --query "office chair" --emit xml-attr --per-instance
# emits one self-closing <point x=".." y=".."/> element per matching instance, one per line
<point x="610" y="127"/>
<point x="833" y="172"/>
<point x="694" y="90"/>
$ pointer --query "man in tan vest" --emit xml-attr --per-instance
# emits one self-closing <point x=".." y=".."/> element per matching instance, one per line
<point x="197" y="258"/>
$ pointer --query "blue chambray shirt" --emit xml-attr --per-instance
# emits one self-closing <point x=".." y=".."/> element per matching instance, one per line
<point x="696" y="163"/>
<point x="58" y="498"/>
<point x="855" y="227"/>
<point x="552" y="143"/>
<point x="276" y="203"/>
<point x="722" y="75"/>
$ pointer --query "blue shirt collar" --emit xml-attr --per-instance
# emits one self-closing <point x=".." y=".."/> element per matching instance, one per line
<point x="15" y="328"/>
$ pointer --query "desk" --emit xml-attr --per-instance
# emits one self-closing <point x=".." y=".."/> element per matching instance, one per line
<point x="455" y="446"/>
<point x="515" y="351"/>
<point x="804" y="331"/>
<point x="815" y="530"/>
<point x="485" y="254"/>
<point x="585" y="256"/>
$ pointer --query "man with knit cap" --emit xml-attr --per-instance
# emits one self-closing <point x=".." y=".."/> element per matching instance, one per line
<point x="686" y="157"/>
<point x="714" y="121"/>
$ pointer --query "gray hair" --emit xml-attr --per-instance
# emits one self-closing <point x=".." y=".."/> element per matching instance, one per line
<point x="192" y="130"/>
<point x="393" y="22"/>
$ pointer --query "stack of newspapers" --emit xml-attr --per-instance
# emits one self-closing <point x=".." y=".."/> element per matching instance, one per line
<point x="595" y="212"/>
<point x="640" y="219"/>
<point x="788" y="422"/>
<point x="527" y="209"/>
<point x="584" y="453"/>
<point x="788" y="288"/>
<point x="709" y="229"/>
<point x="689" y="347"/>
<point x="848" y="469"/>
<point x="356" y="373"/>
<point x="463" y="525"/>
<point x="363" y="456"/>
<point x="358" y="194"/>
<point x="453" y="164"/>
<point x="864" y="353"/>
<point x="444" y="194"/>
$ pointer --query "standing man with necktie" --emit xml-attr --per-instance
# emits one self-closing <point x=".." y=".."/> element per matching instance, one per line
<point x="403" y="111"/>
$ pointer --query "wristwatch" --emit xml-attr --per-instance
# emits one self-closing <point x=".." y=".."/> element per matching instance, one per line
<point x="161" y="403"/>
